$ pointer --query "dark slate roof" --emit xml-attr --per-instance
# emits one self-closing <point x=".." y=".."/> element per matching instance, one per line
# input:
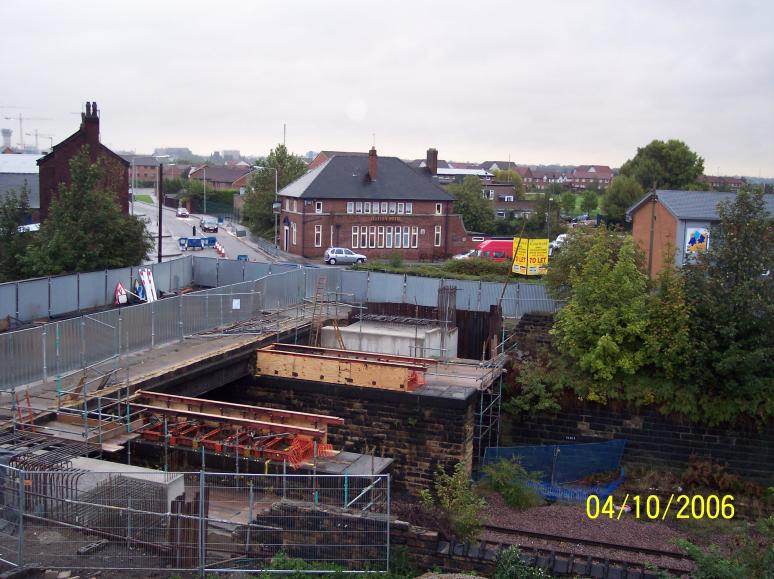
<point x="694" y="205"/>
<point x="220" y="174"/>
<point x="346" y="177"/>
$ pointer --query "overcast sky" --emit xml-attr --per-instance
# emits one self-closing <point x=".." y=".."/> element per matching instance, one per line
<point x="540" y="82"/>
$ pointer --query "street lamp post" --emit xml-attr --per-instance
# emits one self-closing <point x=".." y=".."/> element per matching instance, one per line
<point x="276" y="214"/>
<point x="160" y="196"/>
<point x="548" y="219"/>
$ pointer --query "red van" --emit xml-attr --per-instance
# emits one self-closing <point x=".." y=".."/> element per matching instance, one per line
<point x="496" y="249"/>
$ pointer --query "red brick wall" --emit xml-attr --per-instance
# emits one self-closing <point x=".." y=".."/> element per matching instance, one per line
<point x="335" y="225"/>
<point x="664" y="233"/>
<point x="55" y="170"/>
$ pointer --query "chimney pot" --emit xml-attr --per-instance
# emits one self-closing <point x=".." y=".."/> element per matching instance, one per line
<point x="372" y="164"/>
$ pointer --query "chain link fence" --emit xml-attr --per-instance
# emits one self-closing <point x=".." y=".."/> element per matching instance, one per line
<point x="134" y="518"/>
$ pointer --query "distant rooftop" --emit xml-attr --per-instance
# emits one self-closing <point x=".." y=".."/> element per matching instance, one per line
<point x="22" y="164"/>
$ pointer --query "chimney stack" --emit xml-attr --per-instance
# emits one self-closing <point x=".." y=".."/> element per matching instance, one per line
<point x="90" y="124"/>
<point x="372" y="163"/>
<point x="432" y="161"/>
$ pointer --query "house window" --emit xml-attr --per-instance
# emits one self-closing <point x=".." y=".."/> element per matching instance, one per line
<point x="437" y="237"/>
<point x="355" y="237"/>
<point x="393" y="208"/>
<point x="388" y="239"/>
<point x="438" y="209"/>
<point x="376" y="208"/>
<point x="295" y="205"/>
<point x="409" y="208"/>
<point x="508" y="198"/>
<point x="406" y="234"/>
<point x="414" y="237"/>
<point x="367" y="207"/>
<point x="372" y="236"/>
<point x="397" y="237"/>
<point x="318" y="206"/>
<point x="350" y="207"/>
<point x="359" y="207"/>
<point x="500" y="213"/>
<point x="384" y="207"/>
<point x="363" y="236"/>
<point x="401" y="208"/>
<point x="293" y="231"/>
<point x="318" y="235"/>
<point x="380" y="236"/>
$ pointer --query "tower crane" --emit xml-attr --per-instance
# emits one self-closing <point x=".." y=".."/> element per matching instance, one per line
<point x="21" y="120"/>
<point x="36" y="134"/>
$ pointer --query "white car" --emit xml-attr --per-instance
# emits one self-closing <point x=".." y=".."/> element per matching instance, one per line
<point x="334" y="255"/>
<point x="468" y="254"/>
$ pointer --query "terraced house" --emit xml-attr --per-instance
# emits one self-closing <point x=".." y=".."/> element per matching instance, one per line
<point x="378" y="206"/>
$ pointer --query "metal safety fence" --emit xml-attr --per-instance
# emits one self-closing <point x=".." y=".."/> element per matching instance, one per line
<point x="135" y="518"/>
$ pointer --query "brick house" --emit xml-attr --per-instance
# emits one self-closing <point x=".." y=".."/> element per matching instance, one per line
<point x="584" y="176"/>
<point x="219" y="177"/>
<point x="722" y="183"/>
<point x="375" y="205"/>
<point x="677" y="221"/>
<point x="55" y="167"/>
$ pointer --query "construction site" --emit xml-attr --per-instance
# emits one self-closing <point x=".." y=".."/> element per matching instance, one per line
<point x="215" y="428"/>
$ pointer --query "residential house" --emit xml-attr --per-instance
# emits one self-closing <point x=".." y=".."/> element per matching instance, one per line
<point x="542" y="180"/>
<point x="218" y="177"/>
<point x="594" y="176"/>
<point x="55" y="166"/>
<point x="143" y="168"/>
<point x="457" y="175"/>
<point x="374" y="205"/>
<point x="722" y="183"/>
<point x="16" y="171"/>
<point x="677" y="221"/>
<point x="324" y="156"/>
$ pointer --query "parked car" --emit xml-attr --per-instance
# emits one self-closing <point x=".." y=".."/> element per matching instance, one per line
<point x="334" y="255"/>
<point x="496" y="249"/>
<point x="466" y="255"/>
<point x="183" y="212"/>
<point x="208" y="223"/>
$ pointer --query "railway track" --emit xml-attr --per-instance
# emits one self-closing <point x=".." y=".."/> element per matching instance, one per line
<point x="593" y="565"/>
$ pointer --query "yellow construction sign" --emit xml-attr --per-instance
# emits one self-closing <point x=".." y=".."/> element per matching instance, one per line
<point x="530" y="256"/>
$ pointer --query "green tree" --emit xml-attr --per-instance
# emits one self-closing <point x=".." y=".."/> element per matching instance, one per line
<point x="669" y="336"/>
<point x="86" y="229"/>
<point x="257" y="213"/>
<point x="589" y="201"/>
<point x="730" y="292"/>
<point x="14" y="210"/>
<point x="511" y="176"/>
<point x="665" y="165"/>
<point x="477" y="212"/>
<point x="567" y="202"/>
<point x="602" y="327"/>
<point x="621" y="194"/>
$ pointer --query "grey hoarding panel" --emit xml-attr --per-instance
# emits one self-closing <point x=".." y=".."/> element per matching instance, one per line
<point x="91" y="290"/>
<point x="422" y="291"/>
<point x="356" y="283"/>
<point x="161" y="273"/>
<point x="64" y="294"/>
<point x="205" y="271"/>
<point x="385" y="287"/>
<point x="230" y="272"/>
<point x="7" y="300"/>
<point x="33" y="299"/>
<point x="255" y="270"/>
<point x="182" y="272"/>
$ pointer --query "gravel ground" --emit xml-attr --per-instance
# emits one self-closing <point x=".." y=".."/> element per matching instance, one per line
<point x="571" y="521"/>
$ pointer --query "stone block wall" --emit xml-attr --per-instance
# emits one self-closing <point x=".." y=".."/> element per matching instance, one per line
<point x="652" y="438"/>
<point x="417" y="432"/>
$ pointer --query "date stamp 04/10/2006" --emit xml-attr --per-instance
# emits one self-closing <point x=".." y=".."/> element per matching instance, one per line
<point x="655" y="507"/>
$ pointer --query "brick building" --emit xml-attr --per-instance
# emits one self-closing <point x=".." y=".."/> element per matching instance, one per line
<point x="55" y="167"/>
<point x="677" y="222"/>
<point x="220" y="177"/>
<point x="588" y="176"/>
<point x="375" y="205"/>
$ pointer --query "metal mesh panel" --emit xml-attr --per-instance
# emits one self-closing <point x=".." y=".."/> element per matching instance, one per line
<point x="21" y="357"/>
<point x="166" y="320"/>
<point x="255" y="270"/>
<point x="135" y="327"/>
<point x="100" y="333"/>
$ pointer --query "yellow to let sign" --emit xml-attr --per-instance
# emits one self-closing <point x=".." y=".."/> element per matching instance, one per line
<point x="530" y="256"/>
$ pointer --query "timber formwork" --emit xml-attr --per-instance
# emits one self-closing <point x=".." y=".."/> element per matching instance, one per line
<point x="352" y="368"/>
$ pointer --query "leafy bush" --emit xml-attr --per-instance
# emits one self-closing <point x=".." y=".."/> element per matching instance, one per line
<point x="456" y="497"/>
<point x="477" y="266"/>
<point x="511" y="566"/>
<point x="396" y="259"/>
<point x="508" y="478"/>
<point x="715" y="476"/>
<point x="535" y="392"/>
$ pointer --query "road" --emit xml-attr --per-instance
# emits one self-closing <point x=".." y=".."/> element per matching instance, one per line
<point x="173" y="228"/>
